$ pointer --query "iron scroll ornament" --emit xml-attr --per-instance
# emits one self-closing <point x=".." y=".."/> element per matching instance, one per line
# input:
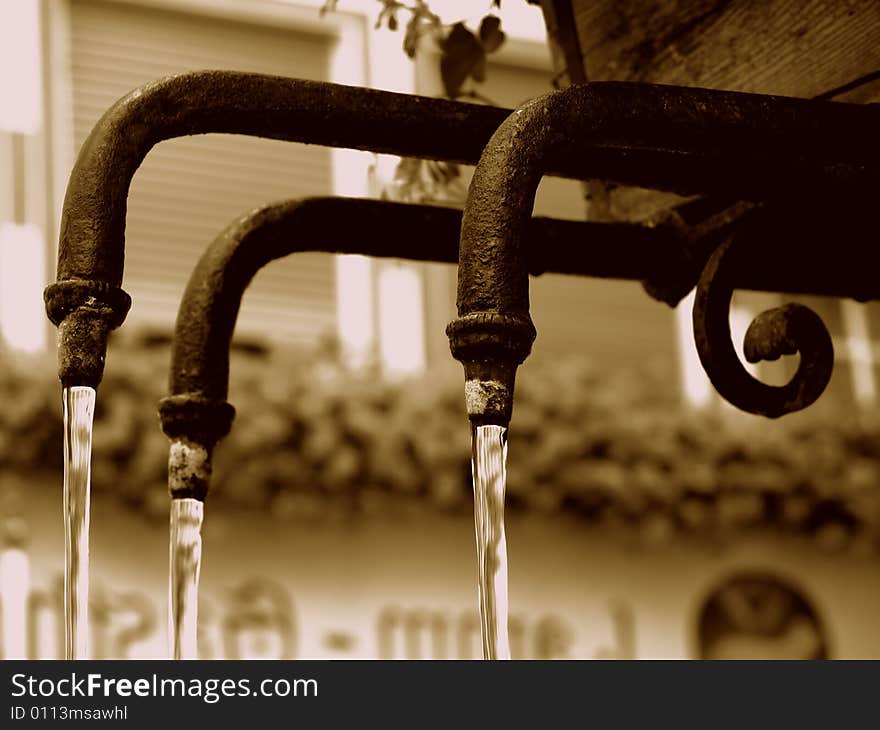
<point x="785" y="330"/>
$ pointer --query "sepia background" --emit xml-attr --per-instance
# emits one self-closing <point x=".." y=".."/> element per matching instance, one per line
<point x="646" y="518"/>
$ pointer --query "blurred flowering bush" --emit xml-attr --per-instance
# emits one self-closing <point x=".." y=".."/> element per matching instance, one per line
<point x="311" y="440"/>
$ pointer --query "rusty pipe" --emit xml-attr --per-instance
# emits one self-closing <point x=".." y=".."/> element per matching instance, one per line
<point x="87" y="300"/>
<point x="771" y="147"/>
<point x="196" y="414"/>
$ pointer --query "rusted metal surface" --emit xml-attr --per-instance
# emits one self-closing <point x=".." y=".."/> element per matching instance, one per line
<point x="785" y="330"/>
<point x="196" y="415"/>
<point x="650" y="136"/>
<point x="92" y="242"/>
<point x="189" y="469"/>
<point x="701" y="225"/>
<point x="770" y="146"/>
<point x="802" y="48"/>
<point x="761" y="245"/>
<point x="783" y="250"/>
<point x="197" y="411"/>
<point x="91" y="247"/>
<point x="86" y="313"/>
<point x="210" y="304"/>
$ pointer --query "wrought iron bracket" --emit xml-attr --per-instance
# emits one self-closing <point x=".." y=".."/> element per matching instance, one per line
<point x="786" y="330"/>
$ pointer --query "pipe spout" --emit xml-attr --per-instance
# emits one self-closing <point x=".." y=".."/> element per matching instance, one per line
<point x="87" y="300"/>
<point x="92" y="239"/>
<point x="757" y="147"/>
<point x="196" y="414"/>
<point x="85" y="312"/>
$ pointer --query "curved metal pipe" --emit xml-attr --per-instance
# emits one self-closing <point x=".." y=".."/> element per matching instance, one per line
<point x="756" y="143"/>
<point x="196" y="415"/>
<point x="87" y="301"/>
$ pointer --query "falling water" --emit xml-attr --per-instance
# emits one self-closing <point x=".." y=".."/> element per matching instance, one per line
<point x="185" y="552"/>
<point x="489" y="475"/>
<point x="79" y="410"/>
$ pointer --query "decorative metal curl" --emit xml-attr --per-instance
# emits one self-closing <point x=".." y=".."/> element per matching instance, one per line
<point x="786" y="330"/>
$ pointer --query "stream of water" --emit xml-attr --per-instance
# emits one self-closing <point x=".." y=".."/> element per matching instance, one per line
<point x="185" y="554"/>
<point x="185" y="549"/>
<point x="489" y="467"/>
<point x="78" y="412"/>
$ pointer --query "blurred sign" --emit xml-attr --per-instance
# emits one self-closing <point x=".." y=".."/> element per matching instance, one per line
<point x="755" y="615"/>
<point x="405" y="589"/>
<point x="260" y="621"/>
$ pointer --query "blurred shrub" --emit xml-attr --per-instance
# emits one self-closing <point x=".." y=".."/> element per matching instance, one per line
<point x="311" y="440"/>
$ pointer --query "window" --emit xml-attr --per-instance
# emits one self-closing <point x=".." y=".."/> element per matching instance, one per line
<point x="190" y="189"/>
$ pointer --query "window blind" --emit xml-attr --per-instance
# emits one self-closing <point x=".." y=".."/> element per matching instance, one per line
<point x="189" y="189"/>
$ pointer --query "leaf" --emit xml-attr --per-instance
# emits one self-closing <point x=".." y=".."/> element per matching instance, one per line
<point x="462" y="55"/>
<point x="479" y="71"/>
<point x="491" y="35"/>
<point x="408" y="170"/>
<point x="389" y="11"/>
<point x="411" y="37"/>
<point x="449" y="172"/>
<point x="329" y="6"/>
<point x="386" y="12"/>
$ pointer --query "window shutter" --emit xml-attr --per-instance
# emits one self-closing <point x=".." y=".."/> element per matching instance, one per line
<point x="189" y="189"/>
